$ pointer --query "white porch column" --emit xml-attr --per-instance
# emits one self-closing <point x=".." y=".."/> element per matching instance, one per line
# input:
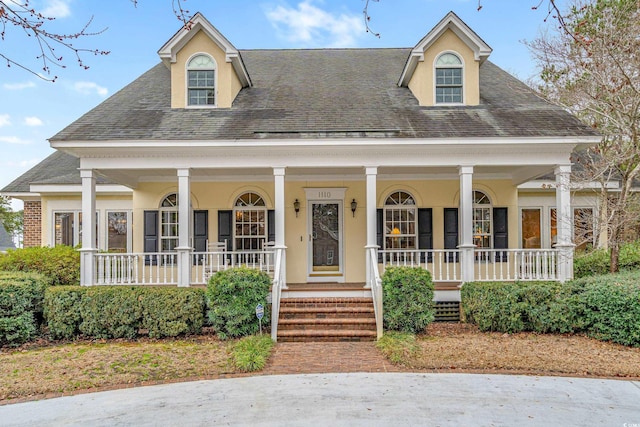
<point x="466" y="224"/>
<point x="564" y="243"/>
<point x="184" y="227"/>
<point x="87" y="272"/>
<point x="278" y="176"/>
<point x="371" y="173"/>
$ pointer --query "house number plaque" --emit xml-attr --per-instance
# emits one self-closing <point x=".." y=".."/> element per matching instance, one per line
<point x="324" y="194"/>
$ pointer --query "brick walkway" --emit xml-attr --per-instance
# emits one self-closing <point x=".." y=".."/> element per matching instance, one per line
<point x="327" y="357"/>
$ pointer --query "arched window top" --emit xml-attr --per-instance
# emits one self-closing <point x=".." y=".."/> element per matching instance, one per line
<point x="201" y="62"/>
<point x="400" y="198"/>
<point x="250" y="199"/>
<point x="448" y="60"/>
<point x="171" y="201"/>
<point x="480" y="198"/>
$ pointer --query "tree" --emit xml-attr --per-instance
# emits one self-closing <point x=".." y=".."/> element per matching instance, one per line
<point x="12" y="221"/>
<point x="20" y="18"/>
<point x="593" y="70"/>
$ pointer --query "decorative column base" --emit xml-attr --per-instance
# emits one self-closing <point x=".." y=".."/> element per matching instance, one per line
<point x="87" y="270"/>
<point x="467" y="263"/>
<point x="184" y="266"/>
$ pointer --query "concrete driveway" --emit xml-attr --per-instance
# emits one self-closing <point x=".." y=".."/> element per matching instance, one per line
<point x="393" y="399"/>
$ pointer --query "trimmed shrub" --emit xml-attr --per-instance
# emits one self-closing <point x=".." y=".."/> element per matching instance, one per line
<point x="61" y="263"/>
<point x="407" y="299"/>
<point x="597" y="262"/>
<point x="62" y="311"/>
<point x="232" y="297"/>
<point x="122" y="311"/>
<point x="21" y="296"/>
<point x="169" y="312"/>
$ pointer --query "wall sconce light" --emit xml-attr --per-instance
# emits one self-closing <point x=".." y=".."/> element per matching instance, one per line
<point x="354" y="206"/>
<point x="296" y="207"/>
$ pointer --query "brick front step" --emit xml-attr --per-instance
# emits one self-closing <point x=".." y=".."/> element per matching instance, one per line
<point x="327" y="319"/>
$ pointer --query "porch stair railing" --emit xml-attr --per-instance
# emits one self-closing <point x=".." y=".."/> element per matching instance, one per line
<point x="375" y="283"/>
<point x="276" y="291"/>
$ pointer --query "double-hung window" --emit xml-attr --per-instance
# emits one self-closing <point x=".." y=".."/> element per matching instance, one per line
<point x="169" y="223"/>
<point x="201" y="77"/>
<point x="250" y="222"/>
<point x="449" y="79"/>
<point x="400" y="221"/>
<point x="482" y="233"/>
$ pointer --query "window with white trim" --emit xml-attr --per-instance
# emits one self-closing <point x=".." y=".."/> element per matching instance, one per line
<point x="583" y="224"/>
<point x="400" y="221"/>
<point x="65" y="231"/>
<point x="169" y="223"/>
<point x="449" y="76"/>
<point x="530" y="220"/>
<point x="201" y="77"/>
<point x="250" y="222"/>
<point x="482" y="230"/>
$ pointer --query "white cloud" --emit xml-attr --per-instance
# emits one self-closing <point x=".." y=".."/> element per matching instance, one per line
<point x="313" y="26"/>
<point x="14" y="140"/>
<point x="56" y="8"/>
<point x="4" y="120"/>
<point x="18" y="86"/>
<point x="89" y="88"/>
<point x="33" y="121"/>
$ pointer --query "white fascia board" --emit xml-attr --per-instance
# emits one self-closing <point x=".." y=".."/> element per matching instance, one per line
<point x="22" y="195"/>
<point x="331" y="142"/>
<point x="77" y="188"/>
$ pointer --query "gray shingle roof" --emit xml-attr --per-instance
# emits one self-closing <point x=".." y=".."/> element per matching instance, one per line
<point x="323" y="92"/>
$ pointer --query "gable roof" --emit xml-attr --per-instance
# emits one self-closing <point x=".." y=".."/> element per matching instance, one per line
<point x="337" y="93"/>
<point x="197" y="23"/>
<point x="451" y="21"/>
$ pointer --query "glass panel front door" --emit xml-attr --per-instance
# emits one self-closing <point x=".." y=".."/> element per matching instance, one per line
<point x="326" y="237"/>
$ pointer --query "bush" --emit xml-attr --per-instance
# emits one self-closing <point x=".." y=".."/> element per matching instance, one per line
<point x="597" y="262"/>
<point x="122" y="311"/>
<point x="21" y="296"/>
<point x="604" y="307"/>
<point x="61" y="263"/>
<point x="407" y="299"/>
<point x="252" y="353"/>
<point x="232" y="297"/>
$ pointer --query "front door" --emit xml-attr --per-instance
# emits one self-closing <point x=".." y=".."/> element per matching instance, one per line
<point x="325" y="241"/>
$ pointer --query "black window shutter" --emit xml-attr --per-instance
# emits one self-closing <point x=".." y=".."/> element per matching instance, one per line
<point x="225" y="225"/>
<point x="150" y="235"/>
<point x="500" y="231"/>
<point x="425" y="230"/>
<point x="200" y="230"/>
<point x="451" y="231"/>
<point x="271" y="225"/>
<point x="380" y="231"/>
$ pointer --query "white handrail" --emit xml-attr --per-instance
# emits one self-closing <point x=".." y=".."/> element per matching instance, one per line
<point x="276" y="292"/>
<point x="376" y="290"/>
<point x="443" y="264"/>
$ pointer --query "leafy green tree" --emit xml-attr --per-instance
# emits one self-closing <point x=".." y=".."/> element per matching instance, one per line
<point x="592" y="69"/>
<point x="12" y="221"/>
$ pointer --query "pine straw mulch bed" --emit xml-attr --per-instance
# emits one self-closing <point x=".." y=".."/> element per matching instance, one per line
<point x="43" y="369"/>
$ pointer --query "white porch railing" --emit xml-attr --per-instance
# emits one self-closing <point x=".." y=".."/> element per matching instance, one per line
<point x="276" y="291"/>
<point x="443" y="264"/>
<point x="161" y="268"/>
<point x="375" y="283"/>
<point x="490" y="264"/>
<point x="516" y="264"/>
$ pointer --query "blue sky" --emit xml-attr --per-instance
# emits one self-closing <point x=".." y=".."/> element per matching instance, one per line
<point x="32" y="110"/>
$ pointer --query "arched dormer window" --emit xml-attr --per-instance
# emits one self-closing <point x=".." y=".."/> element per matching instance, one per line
<point x="449" y="79"/>
<point x="400" y="221"/>
<point x="201" y="78"/>
<point x="250" y="222"/>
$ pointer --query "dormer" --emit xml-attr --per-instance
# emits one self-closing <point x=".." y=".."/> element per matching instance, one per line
<point x="206" y="69"/>
<point x="444" y="67"/>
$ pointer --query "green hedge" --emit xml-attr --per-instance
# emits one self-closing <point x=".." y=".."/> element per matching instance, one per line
<point x="597" y="262"/>
<point x="232" y="297"/>
<point x="604" y="307"/>
<point x="21" y="296"/>
<point x="122" y="311"/>
<point x="61" y="263"/>
<point x="407" y="299"/>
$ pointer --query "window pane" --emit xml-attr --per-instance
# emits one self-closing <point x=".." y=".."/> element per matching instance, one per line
<point x="583" y="227"/>
<point x="117" y="232"/>
<point x="531" y="229"/>
<point x="64" y="228"/>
